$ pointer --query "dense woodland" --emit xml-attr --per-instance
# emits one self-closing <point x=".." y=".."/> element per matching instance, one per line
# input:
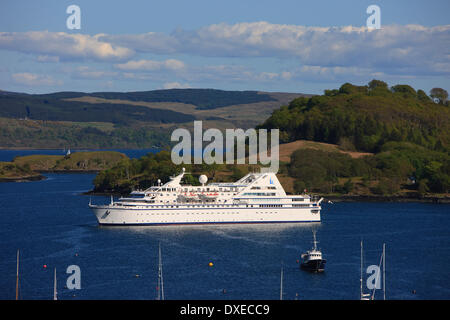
<point x="91" y="135"/>
<point x="366" y="117"/>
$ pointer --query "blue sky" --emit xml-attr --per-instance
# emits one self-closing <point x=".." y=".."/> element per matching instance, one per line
<point x="294" y="46"/>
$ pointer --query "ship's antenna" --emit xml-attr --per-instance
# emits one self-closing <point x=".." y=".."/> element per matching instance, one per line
<point x="314" y="241"/>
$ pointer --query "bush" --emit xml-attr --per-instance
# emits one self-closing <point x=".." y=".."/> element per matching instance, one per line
<point x="299" y="186"/>
<point x="386" y="187"/>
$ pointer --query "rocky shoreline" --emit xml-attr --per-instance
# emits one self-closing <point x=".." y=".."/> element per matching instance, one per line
<point x="37" y="177"/>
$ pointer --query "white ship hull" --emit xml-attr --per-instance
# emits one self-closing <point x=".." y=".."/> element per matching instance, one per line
<point x="110" y="215"/>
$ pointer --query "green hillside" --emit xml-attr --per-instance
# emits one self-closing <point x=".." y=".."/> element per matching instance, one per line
<point x="56" y="107"/>
<point x="406" y="130"/>
<point x="77" y="161"/>
<point x="202" y="98"/>
<point x="365" y="117"/>
<point x="27" y="168"/>
<point x="40" y="134"/>
<point x="11" y="172"/>
<point x="125" y="119"/>
<point x="48" y="107"/>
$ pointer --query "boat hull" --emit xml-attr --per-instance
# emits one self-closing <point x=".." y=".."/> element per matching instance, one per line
<point x="111" y="215"/>
<point x="314" y="265"/>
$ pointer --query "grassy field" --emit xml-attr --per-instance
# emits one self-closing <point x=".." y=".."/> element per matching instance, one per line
<point x="286" y="149"/>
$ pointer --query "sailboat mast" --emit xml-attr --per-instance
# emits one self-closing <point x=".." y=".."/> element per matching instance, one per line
<point x="384" y="271"/>
<point x="160" y="277"/>
<point x="17" y="276"/>
<point x="361" y="278"/>
<point x="281" y="283"/>
<point x="55" y="292"/>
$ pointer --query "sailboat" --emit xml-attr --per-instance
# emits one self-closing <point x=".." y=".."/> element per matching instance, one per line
<point x="160" y="287"/>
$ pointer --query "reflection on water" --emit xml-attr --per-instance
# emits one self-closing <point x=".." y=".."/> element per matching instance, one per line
<point x="211" y="228"/>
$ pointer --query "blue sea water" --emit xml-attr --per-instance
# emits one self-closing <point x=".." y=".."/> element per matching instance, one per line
<point x="51" y="224"/>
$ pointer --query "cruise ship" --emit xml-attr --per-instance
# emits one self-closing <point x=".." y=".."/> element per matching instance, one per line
<point x="255" y="198"/>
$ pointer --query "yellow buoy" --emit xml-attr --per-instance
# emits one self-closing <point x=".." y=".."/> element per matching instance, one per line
<point x="210" y="264"/>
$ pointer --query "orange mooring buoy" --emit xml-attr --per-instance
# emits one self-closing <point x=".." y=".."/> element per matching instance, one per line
<point x="210" y="264"/>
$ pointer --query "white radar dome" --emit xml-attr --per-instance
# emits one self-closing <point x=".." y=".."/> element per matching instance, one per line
<point x="203" y="179"/>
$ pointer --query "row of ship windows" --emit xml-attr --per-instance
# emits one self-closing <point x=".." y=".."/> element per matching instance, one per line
<point x="260" y="188"/>
<point x="229" y="205"/>
<point x="198" y="189"/>
<point x="197" y="213"/>
<point x="196" y="220"/>
<point x="270" y="205"/>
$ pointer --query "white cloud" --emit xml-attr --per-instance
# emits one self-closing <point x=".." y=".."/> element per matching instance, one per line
<point x="32" y="79"/>
<point x="154" y="42"/>
<point x="175" y="85"/>
<point x="316" y="53"/>
<point x="394" y="48"/>
<point x="63" y="45"/>
<point x="85" y="72"/>
<point x="151" y="65"/>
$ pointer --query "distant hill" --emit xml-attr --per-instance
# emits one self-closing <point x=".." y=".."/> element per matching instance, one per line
<point x="126" y="119"/>
<point x="202" y="98"/>
<point x="52" y="107"/>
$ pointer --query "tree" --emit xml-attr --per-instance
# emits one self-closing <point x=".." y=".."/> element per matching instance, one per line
<point x="439" y="93"/>
<point x="405" y="90"/>
<point x="422" y="96"/>
<point x="377" y="84"/>
<point x="422" y="187"/>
